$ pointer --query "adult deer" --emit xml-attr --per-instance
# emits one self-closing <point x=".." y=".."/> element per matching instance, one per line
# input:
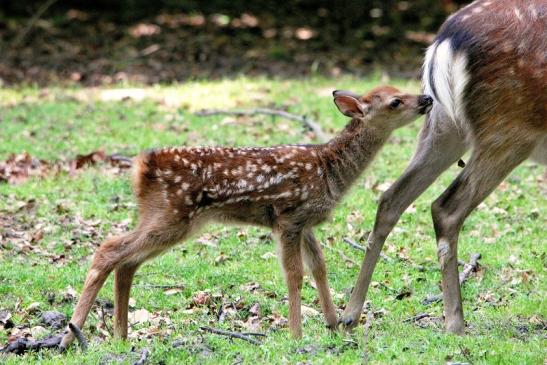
<point x="289" y="189"/>
<point x="487" y="72"/>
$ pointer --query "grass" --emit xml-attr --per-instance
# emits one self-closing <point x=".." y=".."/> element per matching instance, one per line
<point x="504" y="304"/>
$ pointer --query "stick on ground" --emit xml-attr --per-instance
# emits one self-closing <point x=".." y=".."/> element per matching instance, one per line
<point x="359" y="247"/>
<point x="341" y="253"/>
<point x="307" y="122"/>
<point x="417" y="317"/>
<point x="468" y="268"/>
<point x="230" y="334"/>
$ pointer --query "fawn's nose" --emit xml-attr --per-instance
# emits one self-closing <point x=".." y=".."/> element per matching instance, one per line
<point x="425" y="100"/>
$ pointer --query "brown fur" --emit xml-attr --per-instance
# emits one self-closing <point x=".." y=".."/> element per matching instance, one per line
<point x="289" y="189"/>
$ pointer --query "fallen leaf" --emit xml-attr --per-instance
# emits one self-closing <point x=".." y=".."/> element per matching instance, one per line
<point x="139" y="316"/>
<point x="308" y="311"/>
<point x="201" y="298"/>
<point x="269" y="255"/>
<point x="172" y="291"/>
<point x="33" y="307"/>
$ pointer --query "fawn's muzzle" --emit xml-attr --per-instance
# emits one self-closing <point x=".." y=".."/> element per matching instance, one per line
<point x="425" y="102"/>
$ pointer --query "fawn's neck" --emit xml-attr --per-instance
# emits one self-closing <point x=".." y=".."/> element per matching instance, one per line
<point x="348" y="154"/>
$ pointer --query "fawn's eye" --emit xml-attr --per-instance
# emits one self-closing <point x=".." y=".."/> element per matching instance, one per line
<point x="395" y="103"/>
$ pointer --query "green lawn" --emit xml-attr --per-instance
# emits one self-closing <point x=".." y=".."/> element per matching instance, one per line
<point x="504" y="302"/>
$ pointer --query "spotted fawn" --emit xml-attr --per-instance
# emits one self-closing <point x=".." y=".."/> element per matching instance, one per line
<point x="289" y="188"/>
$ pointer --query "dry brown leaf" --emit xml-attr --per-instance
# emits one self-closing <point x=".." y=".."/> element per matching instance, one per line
<point x="309" y="312"/>
<point x="139" y="316"/>
<point x="201" y="298"/>
<point x="172" y="291"/>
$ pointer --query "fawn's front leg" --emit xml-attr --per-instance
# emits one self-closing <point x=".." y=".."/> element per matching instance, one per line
<point x="291" y="260"/>
<point x="313" y="257"/>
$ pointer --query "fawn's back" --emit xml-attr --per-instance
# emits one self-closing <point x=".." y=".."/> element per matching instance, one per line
<point x="252" y="185"/>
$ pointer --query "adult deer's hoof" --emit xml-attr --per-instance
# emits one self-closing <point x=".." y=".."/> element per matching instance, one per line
<point x="348" y="322"/>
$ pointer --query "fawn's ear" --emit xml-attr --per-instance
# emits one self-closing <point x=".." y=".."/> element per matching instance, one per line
<point x="350" y="106"/>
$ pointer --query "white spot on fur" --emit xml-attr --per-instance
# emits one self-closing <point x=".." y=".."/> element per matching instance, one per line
<point x="260" y="179"/>
<point x="179" y="192"/>
<point x="309" y="166"/>
<point x="188" y="200"/>
<point x="185" y="186"/>
<point x="178" y="178"/>
<point x="517" y="14"/>
<point x="285" y="194"/>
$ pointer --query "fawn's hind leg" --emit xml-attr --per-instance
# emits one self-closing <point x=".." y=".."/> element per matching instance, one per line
<point x="122" y="285"/>
<point x="314" y="260"/>
<point x="125" y="252"/>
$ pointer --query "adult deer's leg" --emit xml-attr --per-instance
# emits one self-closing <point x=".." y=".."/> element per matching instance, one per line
<point x="122" y="286"/>
<point x="291" y="260"/>
<point x="440" y="145"/>
<point x="488" y="166"/>
<point x="314" y="260"/>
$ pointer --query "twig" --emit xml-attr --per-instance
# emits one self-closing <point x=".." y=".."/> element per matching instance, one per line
<point x="239" y="335"/>
<point x="159" y="286"/>
<point x="370" y="316"/>
<point x="359" y="247"/>
<point x="307" y="122"/>
<point x="341" y="253"/>
<point x="103" y="318"/>
<point x="470" y="267"/>
<point x="417" y="317"/>
<point x="79" y="335"/>
<point x="354" y="244"/>
<point x="464" y="275"/>
<point x="144" y="357"/>
<point x="258" y="334"/>
<point x="21" y="36"/>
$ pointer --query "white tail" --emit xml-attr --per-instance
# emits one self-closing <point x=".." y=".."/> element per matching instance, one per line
<point x="487" y="72"/>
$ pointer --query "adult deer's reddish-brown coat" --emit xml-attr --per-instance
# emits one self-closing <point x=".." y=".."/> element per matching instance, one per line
<point x="487" y="71"/>
<point x="289" y="189"/>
